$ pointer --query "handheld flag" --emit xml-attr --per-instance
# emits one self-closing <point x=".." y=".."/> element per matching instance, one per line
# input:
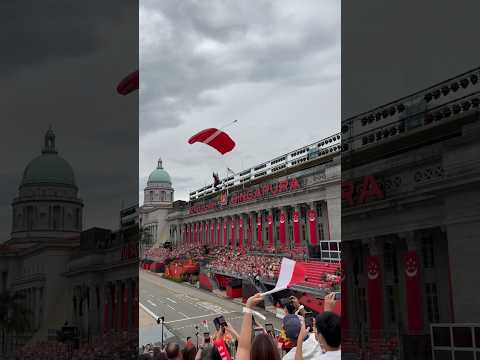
<point x="291" y="273"/>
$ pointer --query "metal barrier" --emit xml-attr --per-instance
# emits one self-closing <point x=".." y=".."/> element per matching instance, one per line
<point x="455" y="341"/>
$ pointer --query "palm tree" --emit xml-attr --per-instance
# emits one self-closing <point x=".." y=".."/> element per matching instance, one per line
<point x="14" y="315"/>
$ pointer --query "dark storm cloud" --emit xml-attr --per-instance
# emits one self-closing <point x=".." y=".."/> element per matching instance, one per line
<point x="63" y="63"/>
<point x="390" y="52"/>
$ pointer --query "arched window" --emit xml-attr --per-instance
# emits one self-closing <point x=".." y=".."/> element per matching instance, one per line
<point x="151" y="195"/>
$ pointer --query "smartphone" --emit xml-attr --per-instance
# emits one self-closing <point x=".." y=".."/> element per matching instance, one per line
<point x="309" y="320"/>
<point x="216" y="323"/>
<point x="270" y="329"/>
<point x="258" y="331"/>
<point x="219" y="322"/>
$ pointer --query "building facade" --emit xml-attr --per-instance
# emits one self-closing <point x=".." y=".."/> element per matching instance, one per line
<point x="66" y="274"/>
<point x="157" y="202"/>
<point x="411" y="174"/>
<point x="290" y="201"/>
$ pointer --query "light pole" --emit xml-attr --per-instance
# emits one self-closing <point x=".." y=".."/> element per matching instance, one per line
<point x="196" y="334"/>
<point x="161" y="320"/>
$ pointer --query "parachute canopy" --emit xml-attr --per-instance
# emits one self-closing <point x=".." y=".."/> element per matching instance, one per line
<point x="128" y="84"/>
<point x="215" y="138"/>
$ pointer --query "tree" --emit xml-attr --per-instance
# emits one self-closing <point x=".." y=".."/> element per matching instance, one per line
<point x="14" y="315"/>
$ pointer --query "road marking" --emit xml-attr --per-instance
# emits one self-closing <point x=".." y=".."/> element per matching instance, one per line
<point x="171" y="307"/>
<point x="152" y="303"/>
<point x="171" y="300"/>
<point x="199" y="317"/>
<point x="149" y="312"/>
<point x="186" y="317"/>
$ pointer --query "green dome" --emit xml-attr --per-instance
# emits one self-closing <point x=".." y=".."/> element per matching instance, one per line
<point x="159" y="175"/>
<point x="48" y="168"/>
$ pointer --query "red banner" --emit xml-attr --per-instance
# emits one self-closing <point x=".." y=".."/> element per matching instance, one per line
<point x="205" y="227"/>
<point x="125" y="309"/>
<point x="196" y="234"/>
<point x="105" y="314"/>
<point x="270" y="231"/>
<point x="374" y="293"/>
<point x="259" y="231"/>
<point x="343" y="289"/>
<point x="249" y="232"/>
<point x="296" y="228"/>
<point x="240" y="232"/>
<point x="232" y="243"/>
<point x="225" y="241"/>
<point x="281" y="230"/>
<point x="414" y="305"/>
<point x="114" y="307"/>
<point x="312" y="219"/>
<point x="212" y="233"/>
<point x="218" y="233"/>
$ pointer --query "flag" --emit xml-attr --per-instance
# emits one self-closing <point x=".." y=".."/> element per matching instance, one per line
<point x="291" y="273"/>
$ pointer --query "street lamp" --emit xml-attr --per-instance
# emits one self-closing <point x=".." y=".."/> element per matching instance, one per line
<point x="161" y="320"/>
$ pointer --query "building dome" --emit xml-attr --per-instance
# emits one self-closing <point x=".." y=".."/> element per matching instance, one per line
<point x="159" y="175"/>
<point x="49" y="167"/>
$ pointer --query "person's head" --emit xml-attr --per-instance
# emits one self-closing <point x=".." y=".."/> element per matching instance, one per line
<point x="294" y="301"/>
<point x="292" y="326"/>
<point x="264" y="348"/>
<point x="173" y="351"/>
<point x="189" y="353"/>
<point x="329" y="330"/>
<point x="189" y="338"/>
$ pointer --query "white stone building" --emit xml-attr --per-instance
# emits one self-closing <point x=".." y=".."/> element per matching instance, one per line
<point x="158" y="199"/>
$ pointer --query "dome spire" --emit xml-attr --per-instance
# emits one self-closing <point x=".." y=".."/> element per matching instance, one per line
<point x="49" y="145"/>
<point x="160" y="164"/>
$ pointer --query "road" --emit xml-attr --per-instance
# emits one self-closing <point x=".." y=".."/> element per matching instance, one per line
<point x="185" y="307"/>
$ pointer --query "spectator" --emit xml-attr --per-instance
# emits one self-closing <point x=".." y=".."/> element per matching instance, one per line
<point x="329" y="330"/>
<point x="263" y="346"/>
<point x="189" y="353"/>
<point x="173" y="351"/>
<point x="307" y="342"/>
<point x="189" y="343"/>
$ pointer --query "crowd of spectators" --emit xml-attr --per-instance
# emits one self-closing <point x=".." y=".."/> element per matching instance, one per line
<point x="241" y="264"/>
<point x="114" y="345"/>
<point x="296" y="340"/>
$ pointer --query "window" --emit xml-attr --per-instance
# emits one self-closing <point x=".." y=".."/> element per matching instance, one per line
<point x="391" y="304"/>
<point x="151" y="195"/>
<point x="163" y="196"/>
<point x="320" y="233"/>
<point x="428" y="253"/>
<point x="432" y="302"/>
<point x="318" y="209"/>
<point x="363" y="305"/>
<point x="388" y="256"/>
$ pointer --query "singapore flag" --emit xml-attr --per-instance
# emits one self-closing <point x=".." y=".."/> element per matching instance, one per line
<point x="291" y="273"/>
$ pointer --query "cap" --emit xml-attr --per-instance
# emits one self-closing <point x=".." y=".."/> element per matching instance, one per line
<point x="292" y="325"/>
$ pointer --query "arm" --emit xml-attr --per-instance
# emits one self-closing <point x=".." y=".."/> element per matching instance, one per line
<point x="232" y="330"/>
<point x="329" y="302"/>
<point x="245" y="339"/>
<point x="199" y="354"/>
<point x="301" y="336"/>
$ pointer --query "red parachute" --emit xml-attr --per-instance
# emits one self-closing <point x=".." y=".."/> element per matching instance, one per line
<point x="128" y="84"/>
<point x="215" y="138"/>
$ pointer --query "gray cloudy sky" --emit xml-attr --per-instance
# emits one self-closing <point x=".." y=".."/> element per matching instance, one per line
<point x="273" y="65"/>
<point x="60" y="64"/>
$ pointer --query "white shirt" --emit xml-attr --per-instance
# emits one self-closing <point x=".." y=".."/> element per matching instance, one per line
<point x="310" y="350"/>
<point x="332" y="355"/>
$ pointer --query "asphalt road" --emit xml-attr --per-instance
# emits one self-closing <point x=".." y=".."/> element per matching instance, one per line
<point x="185" y="307"/>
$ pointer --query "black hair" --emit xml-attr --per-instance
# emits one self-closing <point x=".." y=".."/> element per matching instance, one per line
<point x="329" y="326"/>
<point x="188" y="338"/>
<point x="172" y="350"/>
